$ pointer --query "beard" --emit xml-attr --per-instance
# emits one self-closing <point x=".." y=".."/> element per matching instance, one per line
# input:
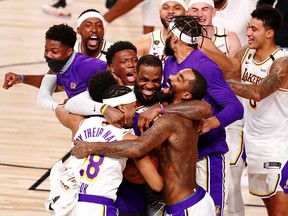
<point x="145" y="101"/>
<point x="168" y="51"/>
<point x="164" y="23"/>
<point x="166" y="97"/>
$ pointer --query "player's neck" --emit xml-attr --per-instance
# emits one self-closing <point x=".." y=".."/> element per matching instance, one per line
<point x="264" y="52"/>
<point x="182" y="52"/>
<point x="210" y="31"/>
<point x="92" y="53"/>
<point x="164" y="33"/>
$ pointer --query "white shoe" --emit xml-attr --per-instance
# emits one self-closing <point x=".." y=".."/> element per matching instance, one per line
<point x="60" y="8"/>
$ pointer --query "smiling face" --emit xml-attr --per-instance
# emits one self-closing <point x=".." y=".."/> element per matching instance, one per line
<point x="256" y="34"/>
<point x="168" y="10"/>
<point x="203" y="11"/>
<point x="92" y="33"/>
<point x="124" y="64"/>
<point x="179" y="86"/>
<point x="148" y="84"/>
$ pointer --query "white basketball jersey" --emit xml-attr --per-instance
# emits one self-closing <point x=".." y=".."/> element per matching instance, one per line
<point x="100" y="175"/>
<point x="102" y="54"/>
<point x="220" y="39"/>
<point x="265" y="122"/>
<point x="157" y="45"/>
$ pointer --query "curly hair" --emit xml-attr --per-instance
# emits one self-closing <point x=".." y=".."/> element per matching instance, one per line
<point x="119" y="46"/>
<point x="63" y="33"/>
<point x="271" y="17"/>
<point x="99" y="83"/>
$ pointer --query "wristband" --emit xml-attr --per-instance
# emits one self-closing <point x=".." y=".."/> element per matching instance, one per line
<point x="162" y="109"/>
<point x="21" y="77"/>
<point x="103" y="108"/>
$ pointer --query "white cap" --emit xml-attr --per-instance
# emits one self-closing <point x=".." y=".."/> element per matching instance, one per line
<point x="182" y="2"/>
<point x="210" y="2"/>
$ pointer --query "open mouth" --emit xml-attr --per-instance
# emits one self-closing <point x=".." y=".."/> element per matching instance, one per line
<point x="93" y="41"/>
<point x="169" y="18"/>
<point x="148" y="93"/>
<point x="130" y="77"/>
<point x="168" y="88"/>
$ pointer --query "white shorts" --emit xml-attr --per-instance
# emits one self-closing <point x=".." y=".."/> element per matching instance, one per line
<point x="212" y="175"/>
<point x="266" y="185"/>
<point x="96" y="204"/>
<point x="234" y="139"/>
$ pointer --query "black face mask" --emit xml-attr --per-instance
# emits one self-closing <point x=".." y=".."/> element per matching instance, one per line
<point x="56" y="65"/>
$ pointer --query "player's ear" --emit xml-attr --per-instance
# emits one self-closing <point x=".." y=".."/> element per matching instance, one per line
<point x="186" y="95"/>
<point x="70" y="51"/>
<point x="78" y="31"/>
<point x="121" y="108"/>
<point x="270" y="33"/>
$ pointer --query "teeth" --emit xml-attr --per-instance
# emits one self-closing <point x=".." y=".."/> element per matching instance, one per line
<point x="147" y="92"/>
<point x="93" y="37"/>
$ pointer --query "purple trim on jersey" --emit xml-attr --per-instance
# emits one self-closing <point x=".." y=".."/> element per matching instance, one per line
<point x="216" y="180"/>
<point x="75" y="78"/>
<point x="187" y="203"/>
<point x="95" y="199"/>
<point x="226" y="106"/>
<point x="284" y="178"/>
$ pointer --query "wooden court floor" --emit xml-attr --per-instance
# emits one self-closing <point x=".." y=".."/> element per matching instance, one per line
<point x="31" y="138"/>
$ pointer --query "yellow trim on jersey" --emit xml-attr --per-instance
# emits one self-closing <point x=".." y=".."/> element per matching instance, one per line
<point x="271" y="193"/>
<point x="240" y="152"/>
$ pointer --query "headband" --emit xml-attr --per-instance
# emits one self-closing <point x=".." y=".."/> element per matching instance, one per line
<point x="182" y="2"/>
<point x="210" y="2"/>
<point x="123" y="99"/>
<point x="90" y="14"/>
<point x="183" y="37"/>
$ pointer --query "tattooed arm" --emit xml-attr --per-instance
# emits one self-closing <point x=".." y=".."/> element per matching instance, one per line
<point x="153" y="137"/>
<point x="235" y="73"/>
<point x="277" y="78"/>
<point x="193" y="109"/>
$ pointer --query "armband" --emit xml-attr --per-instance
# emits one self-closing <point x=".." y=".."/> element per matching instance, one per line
<point x="103" y="108"/>
<point x="21" y="77"/>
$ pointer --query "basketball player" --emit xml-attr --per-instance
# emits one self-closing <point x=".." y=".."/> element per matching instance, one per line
<point x="229" y="43"/>
<point x="251" y="65"/>
<point x="234" y="15"/>
<point x="95" y="171"/>
<point x="154" y="42"/>
<point x="224" y="39"/>
<point x="182" y="45"/>
<point x="90" y="26"/>
<point x="176" y="152"/>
